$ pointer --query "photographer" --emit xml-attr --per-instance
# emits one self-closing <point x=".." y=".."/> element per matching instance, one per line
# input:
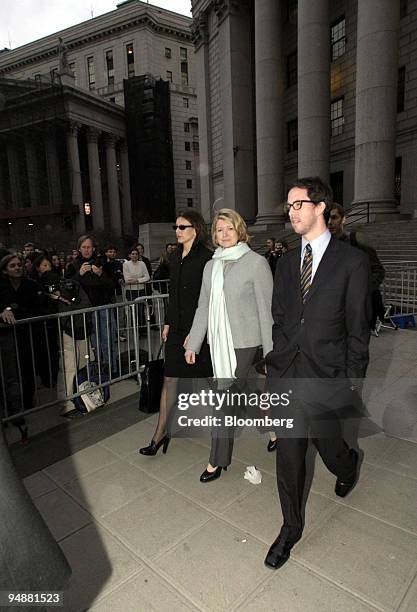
<point x="114" y="269"/>
<point x="88" y="271"/>
<point x="76" y="330"/>
<point x="47" y="346"/>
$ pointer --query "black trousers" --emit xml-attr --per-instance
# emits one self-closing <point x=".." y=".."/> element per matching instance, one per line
<point x="291" y="474"/>
<point x="322" y="426"/>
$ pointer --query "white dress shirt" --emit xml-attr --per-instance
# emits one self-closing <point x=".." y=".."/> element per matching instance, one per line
<point x="318" y="247"/>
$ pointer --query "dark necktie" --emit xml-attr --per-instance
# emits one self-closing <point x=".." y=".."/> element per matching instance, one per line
<point x="306" y="270"/>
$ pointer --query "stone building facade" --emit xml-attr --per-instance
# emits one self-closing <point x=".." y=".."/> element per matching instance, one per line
<point x="91" y="62"/>
<point x="291" y="88"/>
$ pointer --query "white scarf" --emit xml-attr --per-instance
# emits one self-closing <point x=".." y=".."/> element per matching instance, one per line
<point x="220" y="338"/>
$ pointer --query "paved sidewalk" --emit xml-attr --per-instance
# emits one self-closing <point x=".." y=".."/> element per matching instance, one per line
<point x="142" y="533"/>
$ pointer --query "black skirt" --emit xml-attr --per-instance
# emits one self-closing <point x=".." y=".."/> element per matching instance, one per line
<point x="175" y="364"/>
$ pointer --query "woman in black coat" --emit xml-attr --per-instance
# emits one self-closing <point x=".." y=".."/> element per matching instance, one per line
<point x="20" y="298"/>
<point x="186" y="273"/>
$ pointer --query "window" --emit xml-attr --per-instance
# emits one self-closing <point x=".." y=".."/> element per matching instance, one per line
<point x="91" y="73"/>
<point x="168" y="53"/>
<point x="196" y="147"/>
<point x="292" y="136"/>
<point x="184" y="74"/>
<point x="292" y="69"/>
<point x="337" y="118"/>
<point x="130" y="57"/>
<point x="54" y="75"/>
<point x="401" y="90"/>
<point x="292" y="11"/>
<point x="338" y="38"/>
<point x="187" y="146"/>
<point x="397" y="178"/>
<point x="186" y="103"/>
<point x="403" y="8"/>
<point x="184" y="66"/>
<point x="186" y="127"/>
<point x="37" y="77"/>
<point x="110" y="68"/>
<point x="73" y="69"/>
<point x="189" y="202"/>
<point x="189" y="183"/>
<point x="169" y="76"/>
<point x="188" y="164"/>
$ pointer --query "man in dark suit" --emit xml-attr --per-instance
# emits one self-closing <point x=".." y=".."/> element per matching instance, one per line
<point x="321" y="315"/>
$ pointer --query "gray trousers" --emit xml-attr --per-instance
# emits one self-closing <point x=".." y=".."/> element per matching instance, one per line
<point x="222" y="441"/>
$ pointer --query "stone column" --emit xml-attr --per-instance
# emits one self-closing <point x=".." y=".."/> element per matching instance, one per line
<point x="96" y="194"/>
<point x="313" y="88"/>
<point x="14" y="175"/>
<point x="126" y="200"/>
<point x="75" y="176"/>
<point x="53" y="173"/>
<point x="236" y="82"/>
<point x="269" y="111"/>
<point x="376" y="101"/>
<point x="110" y="141"/>
<point x="204" y="170"/>
<point x="32" y="172"/>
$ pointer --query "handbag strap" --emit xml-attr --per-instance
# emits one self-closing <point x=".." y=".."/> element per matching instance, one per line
<point x="160" y="350"/>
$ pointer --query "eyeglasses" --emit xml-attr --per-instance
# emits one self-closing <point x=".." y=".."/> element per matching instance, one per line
<point x="180" y="227"/>
<point x="296" y="205"/>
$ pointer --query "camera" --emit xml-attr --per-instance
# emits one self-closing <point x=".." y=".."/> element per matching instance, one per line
<point x="96" y="260"/>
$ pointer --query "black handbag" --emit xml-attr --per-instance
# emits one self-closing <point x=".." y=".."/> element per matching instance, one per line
<point x="152" y="380"/>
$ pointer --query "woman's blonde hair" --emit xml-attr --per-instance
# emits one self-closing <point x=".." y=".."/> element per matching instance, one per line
<point x="238" y="223"/>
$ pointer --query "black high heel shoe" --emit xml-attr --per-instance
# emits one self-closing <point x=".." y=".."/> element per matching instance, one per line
<point x="207" y="476"/>
<point x="272" y="445"/>
<point x="154" y="447"/>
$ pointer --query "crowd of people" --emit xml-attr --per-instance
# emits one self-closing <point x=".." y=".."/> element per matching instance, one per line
<point x="35" y="282"/>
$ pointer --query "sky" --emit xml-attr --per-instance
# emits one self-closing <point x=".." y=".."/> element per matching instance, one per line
<point x="22" y="21"/>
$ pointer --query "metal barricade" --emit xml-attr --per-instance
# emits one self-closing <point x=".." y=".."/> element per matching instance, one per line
<point x="40" y="357"/>
<point x="399" y="290"/>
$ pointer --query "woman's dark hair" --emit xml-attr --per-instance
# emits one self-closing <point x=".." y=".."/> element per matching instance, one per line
<point x="134" y="250"/>
<point x="37" y="262"/>
<point x="197" y="221"/>
<point x="4" y="262"/>
<point x="31" y="257"/>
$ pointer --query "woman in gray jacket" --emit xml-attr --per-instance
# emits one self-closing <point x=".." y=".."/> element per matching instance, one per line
<point x="234" y="310"/>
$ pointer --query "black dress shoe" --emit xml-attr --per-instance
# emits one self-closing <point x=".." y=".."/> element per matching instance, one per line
<point x="154" y="447"/>
<point x="207" y="476"/>
<point x="272" y="445"/>
<point x="278" y="554"/>
<point x="343" y="488"/>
